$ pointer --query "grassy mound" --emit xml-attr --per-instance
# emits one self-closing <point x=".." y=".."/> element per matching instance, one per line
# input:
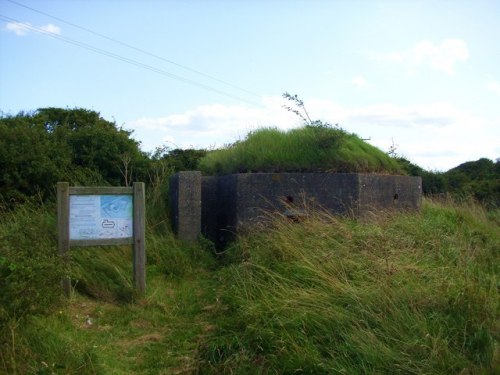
<point x="408" y="294"/>
<point x="318" y="148"/>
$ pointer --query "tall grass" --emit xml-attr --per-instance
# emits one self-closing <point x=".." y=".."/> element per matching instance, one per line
<point x="307" y="149"/>
<point x="30" y="275"/>
<point x="30" y="270"/>
<point x="38" y="335"/>
<point x="408" y="293"/>
<point x="405" y="294"/>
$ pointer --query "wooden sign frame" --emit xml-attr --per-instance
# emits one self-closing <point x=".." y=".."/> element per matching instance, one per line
<point x="137" y="191"/>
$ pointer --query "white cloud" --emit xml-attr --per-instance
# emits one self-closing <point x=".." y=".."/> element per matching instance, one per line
<point x="212" y="125"/>
<point x="17" y="28"/>
<point x="50" y="28"/>
<point x="441" y="57"/>
<point x="360" y="82"/>
<point x="434" y="135"/>
<point x="22" y="29"/>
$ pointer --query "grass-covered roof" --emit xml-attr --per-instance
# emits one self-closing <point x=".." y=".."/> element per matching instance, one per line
<point x="312" y="148"/>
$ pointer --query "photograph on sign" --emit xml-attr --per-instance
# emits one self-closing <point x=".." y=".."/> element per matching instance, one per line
<point x="100" y="217"/>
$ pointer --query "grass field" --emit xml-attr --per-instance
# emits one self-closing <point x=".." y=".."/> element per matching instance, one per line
<point x="404" y="293"/>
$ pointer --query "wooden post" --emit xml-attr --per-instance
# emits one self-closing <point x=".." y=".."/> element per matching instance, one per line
<point x="139" y="247"/>
<point x="63" y="231"/>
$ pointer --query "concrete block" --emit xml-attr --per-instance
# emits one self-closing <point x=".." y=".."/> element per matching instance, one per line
<point x="387" y="192"/>
<point x="185" y="203"/>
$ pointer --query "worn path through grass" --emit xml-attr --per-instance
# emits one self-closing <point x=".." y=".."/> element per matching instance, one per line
<point x="159" y="334"/>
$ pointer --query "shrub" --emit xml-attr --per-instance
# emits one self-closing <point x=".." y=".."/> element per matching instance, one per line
<point x="30" y="269"/>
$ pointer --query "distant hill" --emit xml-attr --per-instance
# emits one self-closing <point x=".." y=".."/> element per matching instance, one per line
<point x="478" y="179"/>
<point x="482" y="169"/>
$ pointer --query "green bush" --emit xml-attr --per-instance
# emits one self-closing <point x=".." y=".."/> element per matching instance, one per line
<point x="30" y="275"/>
<point x="479" y="180"/>
<point x="53" y="144"/>
<point x="30" y="269"/>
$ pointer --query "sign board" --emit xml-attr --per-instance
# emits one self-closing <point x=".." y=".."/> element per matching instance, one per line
<point x="100" y="216"/>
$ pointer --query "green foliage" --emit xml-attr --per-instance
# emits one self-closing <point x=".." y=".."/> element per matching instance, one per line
<point x="37" y="332"/>
<point x="313" y="148"/>
<point x="52" y="144"/>
<point x="104" y="273"/>
<point x="479" y="180"/>
<point x="175" y="259"/>
<point x="30" y="269"/>
<point x="413" y="292"/>
<point x="37" y="347"/>
<point x="433" y="183"/>
<point x="183" y="160"/>
<point x="29" y="160"/>
<point x="30" y="275"/>
<point x="162" y="164"/>
<point x="94" y="143"/>
<point x="410" y="293"/>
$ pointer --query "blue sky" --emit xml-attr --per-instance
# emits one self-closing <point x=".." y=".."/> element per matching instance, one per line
<point x="422" y="75"/>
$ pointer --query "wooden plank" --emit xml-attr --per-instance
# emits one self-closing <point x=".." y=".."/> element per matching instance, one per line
<point x="63" y="231"/>
<point x="103" y="242"/>
<point x="100" y="190"/>
<point x="139" y="248"/>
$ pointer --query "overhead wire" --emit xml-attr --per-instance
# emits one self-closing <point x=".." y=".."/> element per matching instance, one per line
<point x="143" y="51"/>
<point x="125" y="59"/>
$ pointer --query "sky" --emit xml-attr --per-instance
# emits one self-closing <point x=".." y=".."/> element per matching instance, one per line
<point x="420" y="76"/>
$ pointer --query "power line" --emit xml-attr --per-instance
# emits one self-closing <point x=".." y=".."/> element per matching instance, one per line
<point x="125" y="59"/>
<point x="136" y="48"/>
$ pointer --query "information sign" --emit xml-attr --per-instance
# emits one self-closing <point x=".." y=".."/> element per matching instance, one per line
<point x="100" y="217"/>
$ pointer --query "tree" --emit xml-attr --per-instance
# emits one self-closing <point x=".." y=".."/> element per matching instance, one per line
<point x="479" y="179"/>
<point x="39" y="148"/>
<point x="185" y="160"/>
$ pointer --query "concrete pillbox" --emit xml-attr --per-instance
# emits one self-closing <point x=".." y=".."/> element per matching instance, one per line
<point x="232" y="203"/>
